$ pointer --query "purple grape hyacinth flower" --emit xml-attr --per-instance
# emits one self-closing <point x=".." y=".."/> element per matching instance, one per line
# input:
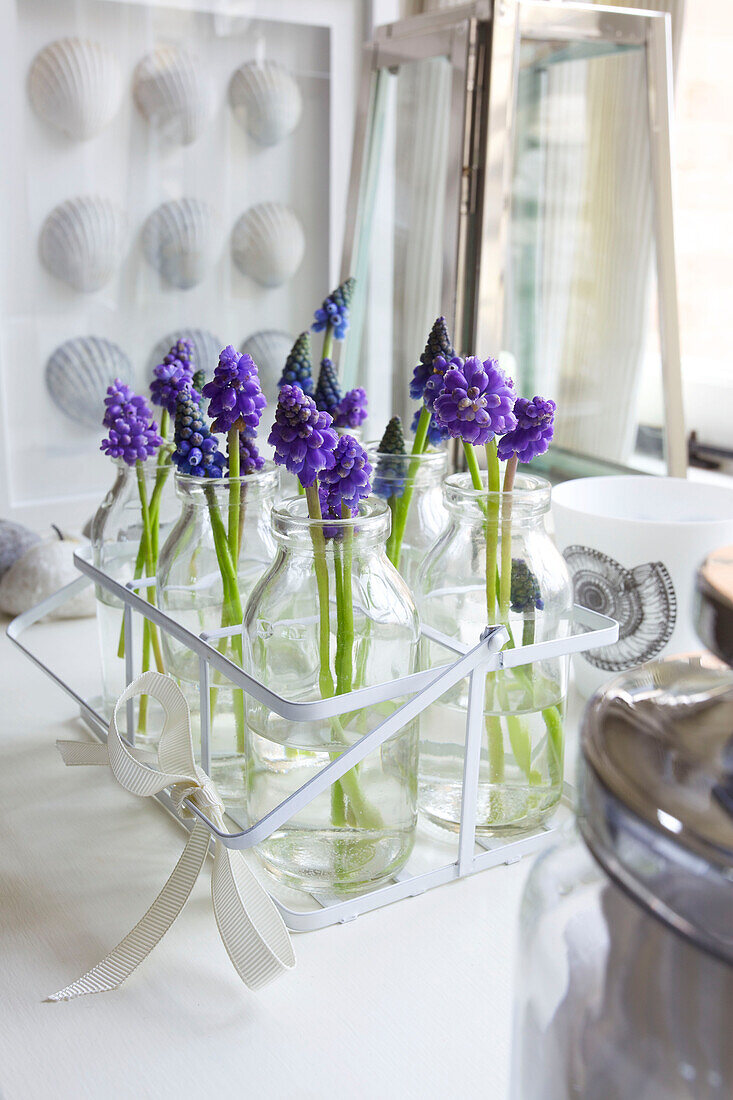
<point x="525" y="590"/>
<point x="298" y="366"/>
<point x="302" y="436"/>
<point x="250" y="459"/>
<point x="172" y="377"/>
<point x="122" y="402"/>
<point x="438" y="344"/>
<point x="436" y="435"/>
<point x="197" y="451"/>
<point x="328" y="391"/>
<point x="335" y="310"/>
<point x="389" y="478"/>
<point x="435" y="383"/>
<point x="132" y="432"/>
<point x="476" y="401"/>
<point x="348" y="480"/>
<point x="533" y="433"/>
<point x="182" y="350"/>
<point x="235" y="397"/>
<point x="352" y="409"/>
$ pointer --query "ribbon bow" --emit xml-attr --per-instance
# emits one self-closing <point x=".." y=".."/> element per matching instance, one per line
<point x="251" y="928"/>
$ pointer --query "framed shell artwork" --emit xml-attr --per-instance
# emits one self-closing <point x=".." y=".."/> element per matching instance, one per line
<point x="178" y="172"/>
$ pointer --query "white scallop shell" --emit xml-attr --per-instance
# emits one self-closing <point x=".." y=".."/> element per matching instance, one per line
<point x="268" y="243"/>
<point x="178" y="240"/>
<point x="82" y="241"/>
<point x="266" y="100"/>
<point x="206" y="348"/>
<point x="171" y="93"/>
<point x="269" y="349"/>
<point x="75" y="85"/>
<point x="78" y="373"/>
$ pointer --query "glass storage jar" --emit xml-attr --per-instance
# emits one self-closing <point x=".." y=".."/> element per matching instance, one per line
<point x="331" y="615"/>
<point x="119" y="550"/>
<point x="191" y="590"/>
<point x="625" y="984"/>
<point x="521" y="768"/>
<point x="412" y="487"/>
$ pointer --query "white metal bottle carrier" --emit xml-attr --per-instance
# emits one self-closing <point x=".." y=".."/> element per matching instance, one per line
<point x="587" y="630"/>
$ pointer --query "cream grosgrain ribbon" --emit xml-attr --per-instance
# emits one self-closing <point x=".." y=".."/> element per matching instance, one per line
<point x="251" y="928"/>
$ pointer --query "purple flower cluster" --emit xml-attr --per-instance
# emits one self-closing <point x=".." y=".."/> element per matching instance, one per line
<point x="533" y="432"/>
<point x="302" y="436"/>
<point x="121" y="401"/>
<point x="298" y="366"/>
<point x="197" y="451"/>
<point x="389" y="479"/>
<point x="250" y="459"/>
<point x="334" y="312"/>
<point x="434" y="385"/>
<point x="132" y="432"/>
<point x="328" y="390"/>
<point x="351" y="411"/>
<point x="525" y="589"/>
<point x="235" y="397"/>
<point x="438" y="345"/>
<point x="347" y="481"/>
<point x="173" y="376"/>
<point x="476" y="401"/>
<point x="182" y="350"/>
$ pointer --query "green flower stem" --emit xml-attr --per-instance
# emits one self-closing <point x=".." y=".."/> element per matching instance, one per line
<point x="348" y="787"/>
<point x="242" y="517"/>
<point x="160" y="480"/>
<point x="519" y="737"/>
<point x="494" y="731"/>
<point x="492" y="540"/>
<point x="402" y="506"/>
<point x="325" y="679"/>
<point x="505" y="589"/>
<point x="149" y="566"/>
<point x="340" y="635"/>
<point x="234" y="494"/>
<point x="327" y="352"/>
<point x="556" y="741"/>
<point x="232" y="609"/>
<point x="163" y="463"/>
<point x="142" y="713"/>
<point x="339" y="808"/>
<point x="347" y="648"/>
<point x="551" y="717"/>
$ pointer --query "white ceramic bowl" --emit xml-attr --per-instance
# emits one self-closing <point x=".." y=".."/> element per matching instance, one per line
<point x="633" y="546"/>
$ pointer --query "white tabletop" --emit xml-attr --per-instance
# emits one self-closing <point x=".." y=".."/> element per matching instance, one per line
<point x="414" y="1000"/>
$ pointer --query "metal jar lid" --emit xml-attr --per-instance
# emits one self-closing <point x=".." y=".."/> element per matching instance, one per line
<point x="656" y="794"/>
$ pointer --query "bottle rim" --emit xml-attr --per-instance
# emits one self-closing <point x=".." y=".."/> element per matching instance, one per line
<point x="530" y="495"/>
<point x="289" y="519"/>
<point x="433" y="458"/>
<point x="189" y="483"/>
